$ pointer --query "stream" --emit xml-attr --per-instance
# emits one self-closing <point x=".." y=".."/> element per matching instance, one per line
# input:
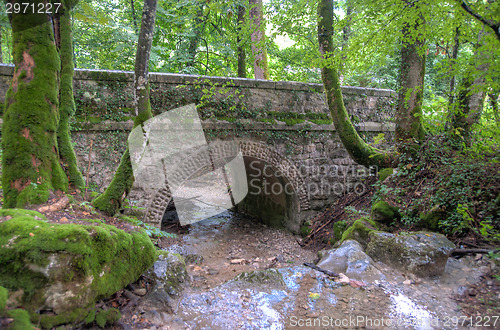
<point x="245" y="275"/>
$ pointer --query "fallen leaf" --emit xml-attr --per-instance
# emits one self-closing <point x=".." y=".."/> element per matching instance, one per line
<point x="196" y="268"/>
<point x="64" y="219"/>
<point x="313" y="295"/>
<point x="237" y="261"/>
<point x="407" y="282"/>
<point x="85" y="213"/>
<point x="356" y="284"/>
<point x="31" y="234"/>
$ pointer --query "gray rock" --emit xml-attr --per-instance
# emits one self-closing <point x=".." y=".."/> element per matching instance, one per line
<point x="169" y="273"/>
<point x="422" y="253"/>
<point x="350" y="259"/>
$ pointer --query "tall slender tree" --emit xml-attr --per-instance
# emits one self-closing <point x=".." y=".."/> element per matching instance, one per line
<point x="360" y="152"/>
<point x="66" y="97"/>
<point x="240" y="49"/>
<point x="112" y="199"/>
<point x="258" y="37"/>
<point x="409" y="128"/>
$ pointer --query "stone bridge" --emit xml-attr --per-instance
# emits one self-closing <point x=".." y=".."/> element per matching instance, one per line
<point x="294" y="160"/>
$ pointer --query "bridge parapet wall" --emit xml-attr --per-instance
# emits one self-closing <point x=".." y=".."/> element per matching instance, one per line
<point x="289" y="117"/>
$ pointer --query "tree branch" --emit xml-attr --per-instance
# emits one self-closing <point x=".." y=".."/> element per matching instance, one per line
<point x="489" y="23"/>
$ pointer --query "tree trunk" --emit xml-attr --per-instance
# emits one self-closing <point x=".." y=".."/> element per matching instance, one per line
<point x="360" y="152"/>
<point x="112" y="199"/>
<point x="240" y="49"/>
<point x="454" y="56"/>
<point x="30" y="163"/>
<point x="258" y="37"/>
<point x="470" y="101"/>
<point x="346" y="33"/>
<point x="1" y="52"/>
<point x="494" y="106"/>
<point x="67" y="101"/>
<point x="409" y="130"/>
<point x="198" y="28"/>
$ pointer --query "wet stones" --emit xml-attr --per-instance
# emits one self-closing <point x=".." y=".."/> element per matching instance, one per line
<point x="422" y="253"/>
<point x="351" y="260"/>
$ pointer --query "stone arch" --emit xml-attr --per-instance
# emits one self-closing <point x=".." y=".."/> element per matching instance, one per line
<point x="192" y="163"/>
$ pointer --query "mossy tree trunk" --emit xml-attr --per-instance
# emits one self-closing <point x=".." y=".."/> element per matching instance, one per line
<point x="66" y="98"/>
<point x="111" y="201"/>
<point x="30" y="165"/>
<point x="470" y="97"/>
<point x="258" y="37"/>
<point x="360" y="152"/>
<point x="409" y="129"/>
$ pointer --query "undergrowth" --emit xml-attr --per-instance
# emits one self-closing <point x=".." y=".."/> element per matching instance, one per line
<point x="448" y="188"/>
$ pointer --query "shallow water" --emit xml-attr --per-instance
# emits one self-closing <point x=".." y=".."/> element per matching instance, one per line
<point x="304" y="297"/>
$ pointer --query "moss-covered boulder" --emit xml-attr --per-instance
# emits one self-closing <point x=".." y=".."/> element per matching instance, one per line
<point x="65" y="268"/>
<point x="359" y="230"/>
<point x="431" y="219"/>
<point x="385" y="213"/>
<point x="422" y="253"/>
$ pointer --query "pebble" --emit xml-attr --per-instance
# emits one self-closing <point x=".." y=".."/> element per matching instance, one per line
<point x="140" y="291"/>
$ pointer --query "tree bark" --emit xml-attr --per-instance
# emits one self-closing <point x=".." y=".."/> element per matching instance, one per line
<point x="240" y="49"/>
<point x="359" y="151"/>
<point x="470" y="101"/>
<point x="198" y="28"/>
<point x="1" y="52"/>
<point x="454" y="56"/>
<point x="30" y="163"/>
<point x="66" y="100"/>
<point x="112" y="199"/>
<point x="258" y="37"/>
<point x="409" y="130"/>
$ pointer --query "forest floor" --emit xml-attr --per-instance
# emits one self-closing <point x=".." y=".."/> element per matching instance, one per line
<point x="230" y="244"/>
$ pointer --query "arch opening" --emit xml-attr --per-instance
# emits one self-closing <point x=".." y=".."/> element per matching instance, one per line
<point x="276" y="192"/>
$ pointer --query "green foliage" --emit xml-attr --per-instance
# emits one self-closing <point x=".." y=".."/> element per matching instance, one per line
<point x="452" y="190"/>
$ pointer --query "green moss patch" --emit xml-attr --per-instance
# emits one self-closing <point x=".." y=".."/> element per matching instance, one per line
<point x="360" y="230"/>
<point x="3" y="298"/>
<point x="384" y="212"/>
<point x="64" y="267"/>
<point x="384" y="173"/>
<point x="107" y="317"/>
<point x="21" y="320"/>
